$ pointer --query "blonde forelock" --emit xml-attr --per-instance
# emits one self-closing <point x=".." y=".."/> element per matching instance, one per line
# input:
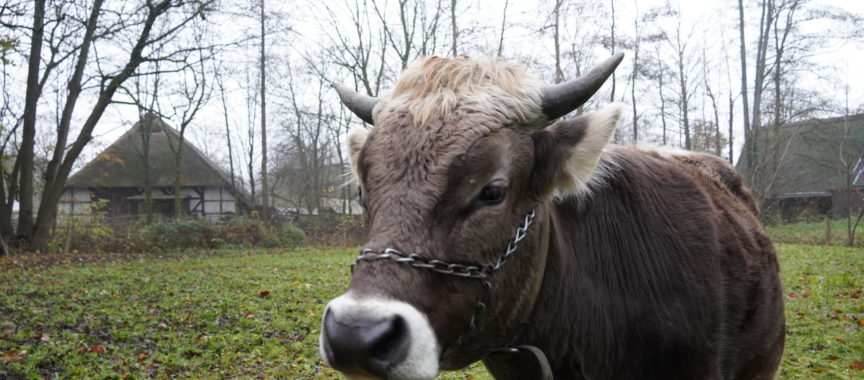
<point x="435" y="86"/>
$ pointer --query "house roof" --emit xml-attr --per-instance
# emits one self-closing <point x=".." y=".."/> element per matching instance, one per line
<point x="122" y="163"/>
<point x="813" y="155"/>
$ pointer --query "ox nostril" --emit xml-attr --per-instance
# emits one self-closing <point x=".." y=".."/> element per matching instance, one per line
<point x="365" y="347"/>
<point x="392" y="341"/>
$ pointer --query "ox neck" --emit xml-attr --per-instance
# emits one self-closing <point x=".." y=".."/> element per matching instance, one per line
<point x="542" y="257"/>
<point x="527" y="361"/>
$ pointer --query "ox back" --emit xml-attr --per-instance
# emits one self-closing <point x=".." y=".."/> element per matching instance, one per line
<point x="661" y="271"/>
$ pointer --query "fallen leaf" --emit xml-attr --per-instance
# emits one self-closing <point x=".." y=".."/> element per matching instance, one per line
<point x="13" y="356"/>
<point x="191" y="354"/>
<point x="806" y="293"/>
<point x="839" y="340"/>
<point x="793" y="296"/>
<point x="837" y="310"/>
<point x="264" y="293"/>
<point x="858" y="366"/>
<point x="142" y="356"/>
<point x="99" y="349"/>
<point x="833" y="357"/>
<point x="187" y="299"/>
<point x="861" y="322"/>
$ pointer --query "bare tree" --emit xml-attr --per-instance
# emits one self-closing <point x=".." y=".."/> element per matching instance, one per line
<point x="140" y="26"/>
<point x="265" y="188"/>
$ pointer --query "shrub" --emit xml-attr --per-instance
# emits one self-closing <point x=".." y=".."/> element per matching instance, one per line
<point x="93" y="234"/>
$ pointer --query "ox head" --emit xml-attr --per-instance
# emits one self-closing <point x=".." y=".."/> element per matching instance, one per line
<point x="461" y="151"/>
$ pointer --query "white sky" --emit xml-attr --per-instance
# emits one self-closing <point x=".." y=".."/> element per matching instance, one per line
<point x="521" y="39"/>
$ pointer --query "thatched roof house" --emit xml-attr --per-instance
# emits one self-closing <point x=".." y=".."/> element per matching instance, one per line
<point x="810" y="167"/>
<point x="118" y="176"/>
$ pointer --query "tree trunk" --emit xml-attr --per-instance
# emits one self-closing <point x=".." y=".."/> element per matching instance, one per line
<point x="731" y="118"/>
<point x="503" y="28"/>
<point x="146" y="131"/>
<point x="178" y="179"/>
<point x="612" y="92"/>
<point x="453" y="28"/>
<point x="682" y="81"/>
<point x="265" y="189"/>
<point x="227" y="131"/>
<point x="662" y="98"/>
<point x="759" y="80"/>
<point x="556" y="14"/>
<point x="635" y="73"/>
<point x="28" y="137"/>
<point x="744" y="92"/>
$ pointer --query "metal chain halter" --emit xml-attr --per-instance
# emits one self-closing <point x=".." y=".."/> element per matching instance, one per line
<point x="481" y="272"/>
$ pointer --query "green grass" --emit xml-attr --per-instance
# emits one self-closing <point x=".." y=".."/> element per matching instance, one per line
<point x="815" y="233"/>
<point x="824" y="311"/>
<point x="256" y="314"/>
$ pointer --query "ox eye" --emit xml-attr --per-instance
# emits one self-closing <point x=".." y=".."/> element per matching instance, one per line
<point x="492" y="194"/>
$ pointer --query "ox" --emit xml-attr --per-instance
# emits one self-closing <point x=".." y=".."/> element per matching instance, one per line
<point x="499" y="231"/>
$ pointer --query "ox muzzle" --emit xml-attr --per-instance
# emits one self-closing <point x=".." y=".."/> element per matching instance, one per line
<point x="374" y="337"/>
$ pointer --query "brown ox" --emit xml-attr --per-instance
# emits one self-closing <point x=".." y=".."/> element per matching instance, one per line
<point x="636" y="264"/>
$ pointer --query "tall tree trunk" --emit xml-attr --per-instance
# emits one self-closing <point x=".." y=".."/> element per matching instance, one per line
<point x="559" y="74"/>
<point x="178" y="177"/>
<point x="685" y="106"/>
<point x="28" y="137"/>
<point x="749" y="142"/>
<point x="227" y="131"/>
<point x="765" y="22"/>
<point x="634" y="74"/>
<point x="731" y="119"/>
<point x="612" y="92"/>
<point x="265" y="188"/>
<point x="662" y="98"/>
<point x="453" y="28"/>
<point x="503" y="28"/>
<point x="146" y="131"/>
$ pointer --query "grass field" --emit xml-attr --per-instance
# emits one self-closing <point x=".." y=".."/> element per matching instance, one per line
<point x="256" y="313"/>
<point x="816" y="233"/>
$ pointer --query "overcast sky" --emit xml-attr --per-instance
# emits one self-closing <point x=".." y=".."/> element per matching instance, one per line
<point x="522" y="38"/>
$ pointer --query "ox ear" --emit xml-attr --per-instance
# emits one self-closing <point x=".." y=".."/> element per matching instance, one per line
<point x="354" y="142"/>
<point x="566" y="153"/>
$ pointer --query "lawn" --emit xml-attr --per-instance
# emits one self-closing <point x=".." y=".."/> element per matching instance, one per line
<point x="256" y="313"/>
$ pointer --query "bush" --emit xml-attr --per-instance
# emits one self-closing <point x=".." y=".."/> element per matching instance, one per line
<point x="291" y="236"/>
<point x="93" y="234"/>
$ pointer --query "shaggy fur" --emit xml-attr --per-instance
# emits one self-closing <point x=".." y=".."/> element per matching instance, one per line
<point x="436" y="86"/>
<point x="657" y="267"/>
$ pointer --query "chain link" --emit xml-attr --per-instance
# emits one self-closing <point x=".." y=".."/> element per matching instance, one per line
<point x="476" y="271"/>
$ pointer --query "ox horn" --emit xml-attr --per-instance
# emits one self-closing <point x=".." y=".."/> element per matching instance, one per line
<point x="560" y="99"/>
<point x="358" y="103"/>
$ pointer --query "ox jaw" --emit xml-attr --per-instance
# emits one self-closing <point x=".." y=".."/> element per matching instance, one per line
<point x="376" y="321"/>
